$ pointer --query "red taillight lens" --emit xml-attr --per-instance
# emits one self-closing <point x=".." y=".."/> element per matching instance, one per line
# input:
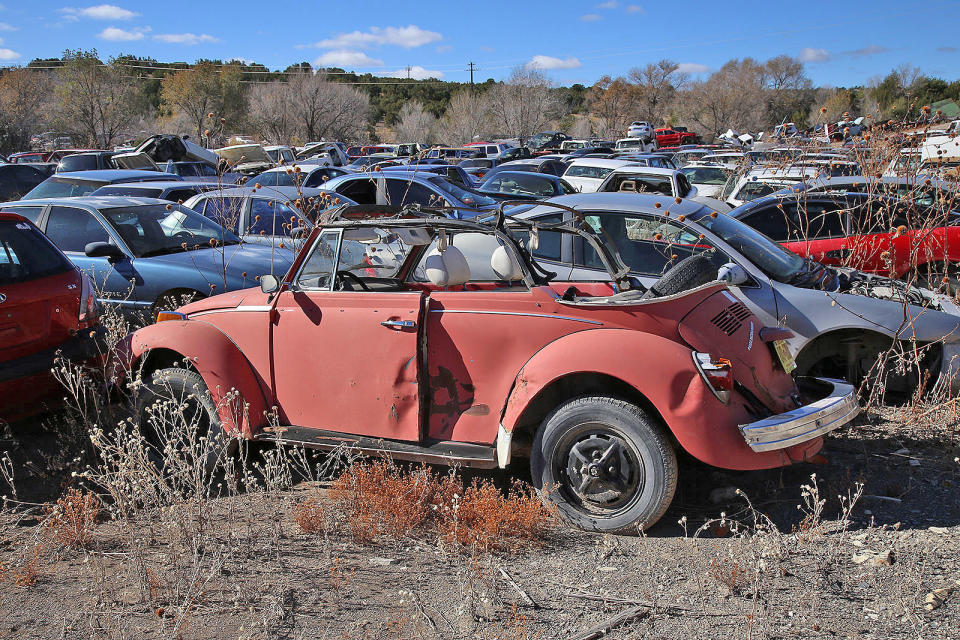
<point x="89" y="307"/>
<point x="717" y="373"/>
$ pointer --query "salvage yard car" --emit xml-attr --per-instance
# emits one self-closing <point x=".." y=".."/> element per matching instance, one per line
<point x="144" y="254"/>
<point x="47" y="308"/>
<point x="462" y="351"/>
<point x="841" y="320"/>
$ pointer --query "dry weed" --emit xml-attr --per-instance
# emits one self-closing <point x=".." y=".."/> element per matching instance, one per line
<point x="71" y="521"/>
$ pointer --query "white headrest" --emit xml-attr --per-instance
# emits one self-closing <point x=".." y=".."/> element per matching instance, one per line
<point x="448" y="268"/>
<point x="504" y="265"/>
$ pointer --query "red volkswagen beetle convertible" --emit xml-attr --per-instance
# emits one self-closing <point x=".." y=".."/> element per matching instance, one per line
<point x="427" y="338"/>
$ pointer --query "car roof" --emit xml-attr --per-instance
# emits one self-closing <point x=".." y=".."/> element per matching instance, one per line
<point x="779" y="197"/>
<point x="96" y="202"/>
<point x="639" y="168"/>
<point x="527" y="174"/>
<point x="305" y="166"/>
<point x="616" y="202"/>
<point x="110" y="175"/>
<point x="160" y="184"/>
<point x="603" y="163"/>
<point x="290" y="193"/>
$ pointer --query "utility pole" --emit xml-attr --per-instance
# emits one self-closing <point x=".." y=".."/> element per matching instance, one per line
<point x="408" y="72"/>
<point x="472" y="67"/>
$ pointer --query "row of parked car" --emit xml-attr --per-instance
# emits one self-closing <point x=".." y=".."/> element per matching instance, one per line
<point x="588" y="315"/>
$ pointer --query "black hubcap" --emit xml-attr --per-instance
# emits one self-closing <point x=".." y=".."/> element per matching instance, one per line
<point x="600" y="468"/>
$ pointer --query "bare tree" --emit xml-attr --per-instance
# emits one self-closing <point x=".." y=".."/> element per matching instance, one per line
<point x="788" y="88"/>
<point x="24" y="97"/>
<point x="524" y="104"/>
<point x="204" y="89"/>
<point x="908" y="75"/>
<point x="269" y="112"/>
<point x="414" y="123"/>
<point x="466" y="118"/>
<point x="93" y="100"/>
<point x="732" y="97"/>
<point x="616" y="102"/>
<point x="321" y="108"/>
<point x="657" y="85"/>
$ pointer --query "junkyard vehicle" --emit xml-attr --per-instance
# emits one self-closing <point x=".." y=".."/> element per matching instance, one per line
<point x="514" y="153"/>
<point x="668" y="137"/>
<point x="83" y="183"/>
<point x="546" y="141"/>
<point x="265" y="215"/>
<point x="706" y="177"/>
<point x="587" y="174"/>
<point x="173" y="191"/>
<point x="86" y="161"/>
<point x="640" y="129"/>
<point x="246" y="159"/>
<point x="649" y="159"/>
<point x="144" y="254"/>
<point x="668" y="182"/>
<point x="633" y="145"/>
<point x="525" y="185"/>
<point x="301" y="174"/>
<point x="478" y="167"/>
<point x="452" y="172"/>
<point x="763" y="181"/>
<point x="922" y="192"/>
<point x="28" y="156"/>
<point x="281" y="154"/>
<point x="876" y="234"/>
<point x="16" y="180"/>
<point x="840" y="319"/>
<point x="491" y="149"/>
<point x="462" y="351"/>
<point x="410" y="187"/>
<point x="47" y="306"/>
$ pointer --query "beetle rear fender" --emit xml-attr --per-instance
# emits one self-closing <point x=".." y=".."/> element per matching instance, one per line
<point x="233" y="384"/>
<point x="656" y="373"/>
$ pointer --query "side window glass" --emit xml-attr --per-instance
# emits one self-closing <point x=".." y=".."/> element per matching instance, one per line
<point x="73" y="229"/>
<point x="271" y="218"/>
<point x="773" y="222"/>
<point x="821" y="220"/>
<point x="223" y="211"/>
<point x="30" y="213"/>
<point x="318" y="270"/>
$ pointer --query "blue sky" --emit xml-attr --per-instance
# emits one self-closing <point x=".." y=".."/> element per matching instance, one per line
<point x="574" y="41"/>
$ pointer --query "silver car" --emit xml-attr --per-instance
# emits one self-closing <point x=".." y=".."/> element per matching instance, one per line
<point x="841" y="319"/>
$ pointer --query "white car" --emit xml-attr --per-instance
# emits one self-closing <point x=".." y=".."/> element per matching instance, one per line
<point x="281" y="154"/>
<point x="640" y="129"/>
<point x="586" y="174"/>
<point x="656" y="181"/>
<point x="491" y="149"/>
<point x="634" y="145"/>
<point x="729" y="159"/>
<point x="761" y="182"/>
<point x="707" y="177"/>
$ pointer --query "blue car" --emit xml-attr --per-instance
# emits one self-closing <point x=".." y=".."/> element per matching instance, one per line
<point x="145" y="255"/>
<point x="82" y="183"/>
<point x="401" y="188"/>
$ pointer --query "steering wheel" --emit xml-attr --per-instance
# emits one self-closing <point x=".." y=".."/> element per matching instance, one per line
<point x="351" y="276"/>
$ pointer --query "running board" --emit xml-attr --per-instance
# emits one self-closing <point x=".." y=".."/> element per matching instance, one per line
<point x="478" y="456"/>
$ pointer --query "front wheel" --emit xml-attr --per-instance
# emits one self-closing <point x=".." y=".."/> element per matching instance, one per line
<point x="606" y="464"/>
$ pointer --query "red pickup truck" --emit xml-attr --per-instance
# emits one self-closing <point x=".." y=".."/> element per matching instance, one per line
<point x="674" y="137"/>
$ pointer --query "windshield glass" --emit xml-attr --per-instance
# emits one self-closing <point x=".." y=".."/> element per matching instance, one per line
<point x="754" y="190"/>
<point x="768" y="256"/>
<point x="63" y="188"/>
<point x="629" y="144"/>
<point x="132" y="192"/>
<point x="80" y="162"/>
<point x="280" y="178"/>
<point x="157" y="229"/>
<point x="705" y="175"/>
<point x="471" y="198"/>
<point x="522" y="183"/>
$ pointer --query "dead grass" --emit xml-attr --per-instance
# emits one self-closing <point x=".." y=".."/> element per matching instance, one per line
<point x="381" y="499"/>
<point x="72" y="519"/>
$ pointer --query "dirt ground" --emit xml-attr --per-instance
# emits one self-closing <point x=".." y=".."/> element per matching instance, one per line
<point x="240" y="567"/>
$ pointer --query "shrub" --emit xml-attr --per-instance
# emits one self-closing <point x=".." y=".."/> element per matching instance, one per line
<point x="72" y="519"/>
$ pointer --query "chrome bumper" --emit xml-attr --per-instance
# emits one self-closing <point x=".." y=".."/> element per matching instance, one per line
<point x="806" y="422"/>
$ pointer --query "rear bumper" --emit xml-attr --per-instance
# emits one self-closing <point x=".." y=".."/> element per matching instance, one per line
<point x="810" y="421"/>
<point x="87" y="345"/>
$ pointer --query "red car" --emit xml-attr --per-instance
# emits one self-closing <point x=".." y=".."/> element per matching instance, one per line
<point x="438" y="340"/>
<point x="47" y="306"/>
<point x="876" y="234"/>
<point x="29" y="156"/>
<point x="674" y="138"/>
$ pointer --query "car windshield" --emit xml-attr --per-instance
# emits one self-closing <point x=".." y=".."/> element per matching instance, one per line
<point x="705" y="175"/>
<point x="768" y="256"/>
<point x="157" y="229"/>
<point x="280" y="178"/>
<point x="80" y="162"/>
<point x="753" y="190"/>
<point x="63" y="188"/>
<point x="25" y="254"/>
<point x="521" y="183"/>
<point x="467" y="197"/>
<point x="628" y="144"/>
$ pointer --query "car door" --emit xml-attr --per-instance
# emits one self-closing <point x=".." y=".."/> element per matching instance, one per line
<point x="72" y="229"/>
<point x="345" y="360"/>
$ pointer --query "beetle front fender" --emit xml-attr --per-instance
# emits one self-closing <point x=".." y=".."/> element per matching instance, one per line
<point x="232" y="382"/>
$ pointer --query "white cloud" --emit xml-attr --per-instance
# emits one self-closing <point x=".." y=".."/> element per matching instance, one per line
<point x="692" y="67"/>
<point x="416" y="72"/>
<point x="869" y="50"/>
<point x="8" y="54"/>
<point x="635" y="8"/>
<point x="610" y="4"/>
<point x="444" y="48"/>
<point x="591" y="17"/>
<point x="548" y="62"/>
<point x="114" y="34"/>
<point x="407" y="37"/>
<point x="7" y="27"/>
<point x="346" y="59"/>
<point x="808" y="54"/>
<point x="188" y="39"/>
<point x="100" y="12"/>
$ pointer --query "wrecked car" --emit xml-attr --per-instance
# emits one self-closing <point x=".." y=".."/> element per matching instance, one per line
<point x="463" y="351"/>
<point x="841" y="320"/>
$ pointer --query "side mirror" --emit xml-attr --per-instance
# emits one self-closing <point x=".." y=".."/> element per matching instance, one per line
<point x="269" y="283"/>
<point x="104" y="250"/>
<point x="733" y="274"/>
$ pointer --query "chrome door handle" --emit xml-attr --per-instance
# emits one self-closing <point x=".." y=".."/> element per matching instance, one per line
<point x="399" y="324"/>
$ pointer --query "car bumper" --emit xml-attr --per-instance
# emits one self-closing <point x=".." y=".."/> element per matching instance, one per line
<point x="805" y="423"/>
<point x="89" y="345"/>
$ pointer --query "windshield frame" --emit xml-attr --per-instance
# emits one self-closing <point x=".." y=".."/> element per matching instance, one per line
<point x="225" y="236"/>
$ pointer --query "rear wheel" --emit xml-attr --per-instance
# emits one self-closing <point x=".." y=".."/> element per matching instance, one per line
<point x="606" y="465"/>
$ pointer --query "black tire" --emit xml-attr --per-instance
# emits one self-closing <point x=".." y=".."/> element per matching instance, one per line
<point x="188" y="389"/>
<point x="626" y="497"/>
<point x="689" y="273"/>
